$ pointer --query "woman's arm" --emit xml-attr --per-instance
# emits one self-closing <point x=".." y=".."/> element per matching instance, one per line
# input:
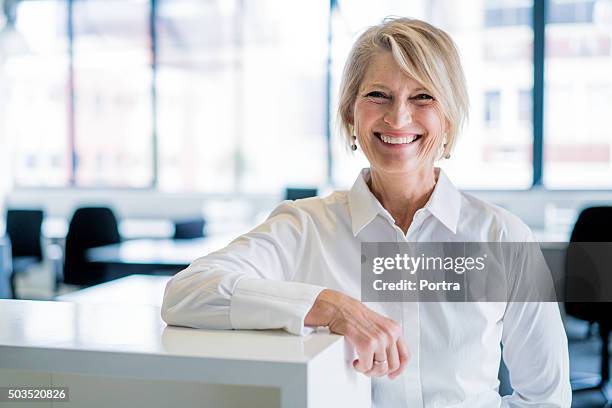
<point x="535" y="351"/>
<point x="535" y="344"/>
<point x="247" y="285"/>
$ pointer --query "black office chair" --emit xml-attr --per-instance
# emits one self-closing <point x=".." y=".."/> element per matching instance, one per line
<point x="298" y="193"/>
<point x="24" y="230"/>
<point x="593" y="225"/>
<point x="189" y="229"/>
<point x="90" y="227"/>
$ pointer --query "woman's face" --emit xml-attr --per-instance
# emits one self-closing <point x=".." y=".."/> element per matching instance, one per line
<point x="395" y="119"/>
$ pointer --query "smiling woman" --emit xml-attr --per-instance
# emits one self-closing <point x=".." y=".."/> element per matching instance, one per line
<point x="403" y="100"/>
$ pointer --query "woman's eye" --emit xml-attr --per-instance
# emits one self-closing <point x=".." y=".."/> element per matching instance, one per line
<point x="376" y="95"/>
<point x="423" y="99"/>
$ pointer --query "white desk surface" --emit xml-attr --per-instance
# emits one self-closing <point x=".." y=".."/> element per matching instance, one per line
<point x="141" y="295"/>
<point x="139" y="329"/>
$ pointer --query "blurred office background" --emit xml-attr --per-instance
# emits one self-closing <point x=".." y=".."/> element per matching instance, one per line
<point x="170" y="111"/>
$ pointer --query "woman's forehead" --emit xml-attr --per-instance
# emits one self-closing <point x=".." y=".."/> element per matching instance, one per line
<point x="384" y="72"/>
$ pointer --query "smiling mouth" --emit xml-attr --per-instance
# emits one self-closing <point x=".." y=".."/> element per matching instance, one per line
<point x="397" y="140"/>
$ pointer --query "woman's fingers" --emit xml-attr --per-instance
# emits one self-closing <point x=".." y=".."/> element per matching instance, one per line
<point x="394" y="333"/>
<point x="380" y="365"/>
<point x="393" y="361"/>
<point x="386" y="358"/>
<point x="366" y="345"/>
<point x="403" y="357"/>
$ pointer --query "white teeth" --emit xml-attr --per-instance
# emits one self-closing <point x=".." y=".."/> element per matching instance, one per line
<point x="398" y="140"/>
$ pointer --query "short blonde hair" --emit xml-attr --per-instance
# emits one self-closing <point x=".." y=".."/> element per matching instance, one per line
<point x="422" y="51"/>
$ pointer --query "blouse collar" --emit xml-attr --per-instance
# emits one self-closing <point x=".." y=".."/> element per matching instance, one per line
<point x="444" y="203"/>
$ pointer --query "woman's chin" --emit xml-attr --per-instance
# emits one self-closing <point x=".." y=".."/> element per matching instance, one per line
<point x="400" y="164"/>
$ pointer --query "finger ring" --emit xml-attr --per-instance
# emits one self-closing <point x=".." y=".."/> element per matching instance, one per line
<point x="379" y="361"/>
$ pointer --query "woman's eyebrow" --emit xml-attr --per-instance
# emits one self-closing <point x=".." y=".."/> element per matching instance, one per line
<point x="383" y="86"/>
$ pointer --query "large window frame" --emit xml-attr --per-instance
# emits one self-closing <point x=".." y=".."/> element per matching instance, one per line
<point x="539" y="21"/>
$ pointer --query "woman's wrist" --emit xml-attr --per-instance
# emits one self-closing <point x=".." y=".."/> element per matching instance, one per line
<point x="322" y="310"/>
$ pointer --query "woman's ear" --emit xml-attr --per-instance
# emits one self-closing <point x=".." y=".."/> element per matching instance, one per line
<point x="447" y="127"/>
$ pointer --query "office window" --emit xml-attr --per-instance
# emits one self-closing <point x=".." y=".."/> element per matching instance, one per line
<point x="525" y="107"/>
<point x="198" y="114"/>
<point x="282" y="132"/>
<point x="241" y="95"/>
<point x="499" y="13"/>
<point x="227" y="96"/>
<point x="230" y="96"/>
<point x="33" y="93"/>
<point x="578" y="91"/>
<point x="113" y="143"/>
<point x="492" y="108"/>
<point x="571" y="11"/>
<point x="495" y="55"/>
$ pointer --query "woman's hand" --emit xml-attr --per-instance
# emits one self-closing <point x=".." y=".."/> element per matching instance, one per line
<point x="378" y="340"/>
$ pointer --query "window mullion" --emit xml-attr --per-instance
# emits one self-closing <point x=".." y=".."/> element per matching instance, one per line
<point x="539" y="28"/>
<point x="71" y="95"/>
<point x="153" y="51"/>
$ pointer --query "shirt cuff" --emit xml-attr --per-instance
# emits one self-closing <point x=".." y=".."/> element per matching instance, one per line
<point x="270" y="304"/>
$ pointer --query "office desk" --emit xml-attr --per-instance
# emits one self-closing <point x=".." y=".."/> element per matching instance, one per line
<point x="157" y="252"/>
<point x="125" y="356"/>
<point x="153" y="256"/>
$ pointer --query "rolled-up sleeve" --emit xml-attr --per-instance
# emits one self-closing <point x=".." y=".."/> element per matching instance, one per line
<point x="248" y="284"/>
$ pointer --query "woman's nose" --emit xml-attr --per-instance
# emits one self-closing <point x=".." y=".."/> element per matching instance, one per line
<point x="398" y="116"/>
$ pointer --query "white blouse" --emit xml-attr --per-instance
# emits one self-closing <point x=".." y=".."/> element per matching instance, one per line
<point x="271" y="276"/>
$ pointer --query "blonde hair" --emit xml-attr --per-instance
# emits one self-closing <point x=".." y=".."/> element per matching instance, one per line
<point x="423" y="52"/>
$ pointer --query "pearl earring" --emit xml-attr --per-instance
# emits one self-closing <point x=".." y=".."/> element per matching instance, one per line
<point x="354" y="144"/>
<point x="447" y="156"/>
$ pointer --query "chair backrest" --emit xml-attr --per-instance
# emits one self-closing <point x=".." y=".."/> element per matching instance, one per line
<point x="89" y="227"/>
<point x="24" y="229"/>
<point x="298" y="193"/>
<point x="188" y="229"/>
<point x="594" y="224"/>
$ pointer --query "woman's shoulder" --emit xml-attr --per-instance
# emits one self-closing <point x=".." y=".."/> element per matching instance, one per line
<point x="317" y="208"/>
<point x="493" y="222"/>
